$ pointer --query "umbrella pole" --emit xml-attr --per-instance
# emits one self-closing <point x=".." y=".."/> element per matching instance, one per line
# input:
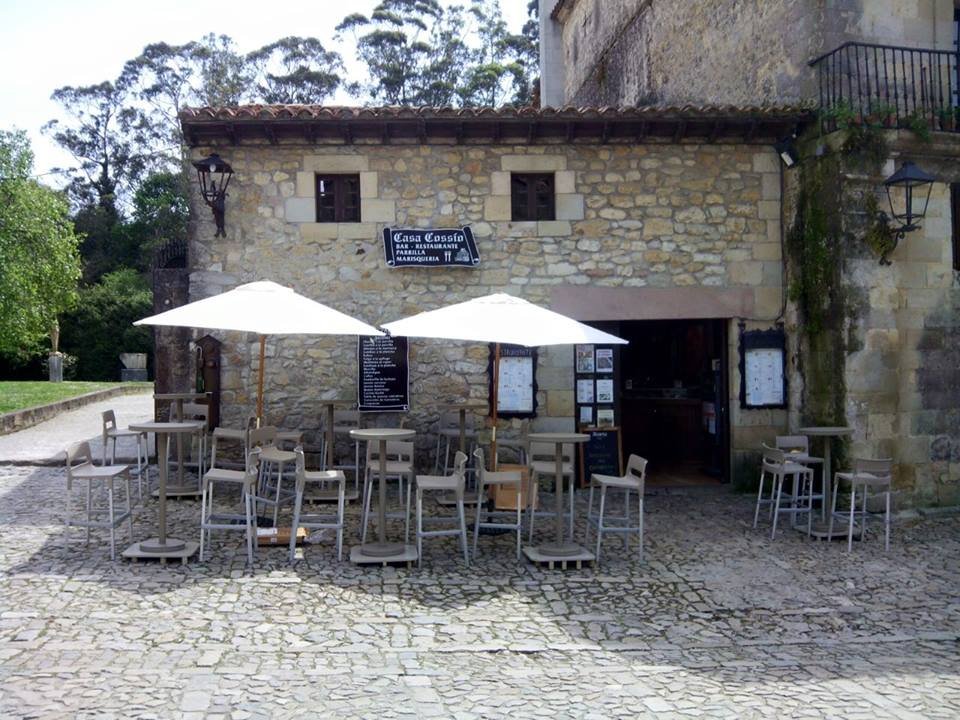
<point x="263" y="349"/>
<point x="496" y="387"/>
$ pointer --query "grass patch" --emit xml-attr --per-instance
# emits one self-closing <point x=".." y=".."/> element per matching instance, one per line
<point x="21" y="395"/>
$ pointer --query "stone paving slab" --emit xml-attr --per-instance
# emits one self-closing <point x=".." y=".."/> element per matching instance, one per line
<point x="719" y="622"/>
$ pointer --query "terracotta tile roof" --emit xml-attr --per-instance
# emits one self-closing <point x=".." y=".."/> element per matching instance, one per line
<point x="330" y="123"/>
<point x="339" y="112"/>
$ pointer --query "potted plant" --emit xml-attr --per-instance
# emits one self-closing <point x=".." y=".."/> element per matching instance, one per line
<point x="882" y="114"/>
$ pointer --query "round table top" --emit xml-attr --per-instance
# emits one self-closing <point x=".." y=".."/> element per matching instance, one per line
<point x="167" y="427"/>
<point x="382" y="433"/>
<point x="827" y="430"/>
<point x="559" y="437"/>
<point x="181" y="396"/>
<point x="464" y="405"/>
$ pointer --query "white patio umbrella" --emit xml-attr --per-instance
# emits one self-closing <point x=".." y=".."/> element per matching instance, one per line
<point x="264" y="308"/>
<point x="500" y="318"/>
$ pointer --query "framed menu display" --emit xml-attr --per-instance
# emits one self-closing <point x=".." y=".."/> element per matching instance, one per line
<point x="763" y="382"/>
<point x="517" y="387"/>
<point x="383" y="377"/>
<point x="596" y="378"/>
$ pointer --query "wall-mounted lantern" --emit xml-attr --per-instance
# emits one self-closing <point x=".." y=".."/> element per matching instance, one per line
<point x="787" y="150"/>
<point x="214" y="175"/>
<point x="909" y="182"/>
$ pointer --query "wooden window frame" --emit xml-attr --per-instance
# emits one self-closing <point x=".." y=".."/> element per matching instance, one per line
<point x="532" y="208"/>
<point x="343" y="211"/>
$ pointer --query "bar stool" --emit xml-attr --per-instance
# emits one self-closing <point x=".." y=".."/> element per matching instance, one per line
<point x="632" y="480"/>
<point x="197" y="411"/>
<point x="797" y="449"/>
<point x="448" y="433"/>
<point x="870" y="474"/>
<point x="110" y="434"/>
<point x="343" y="422"/>
<point x="399" y="465"/>
<point x="543" y="461"/>
<point x="446" y="484"/>
<point x="317" y="520"/>
<point x="776" y="464"/>
<point x="246" y="480"/>
<point x="80" y="467"/>
<point x="508" y="478"/>
<point x="270" y="491"/>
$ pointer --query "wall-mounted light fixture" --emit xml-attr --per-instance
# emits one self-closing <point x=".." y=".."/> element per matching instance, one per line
<point x="214" y="175"/>
<point x="787" y="150"/>
<point x="909" y="181"/>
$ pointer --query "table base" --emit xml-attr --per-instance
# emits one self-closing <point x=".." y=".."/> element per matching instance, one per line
<point x="821" y="529"/>
<point x="561" y="550"/>
<point x="151" y="549"/>
<point x="360" y="555"/>
<point x="536" y="554"/>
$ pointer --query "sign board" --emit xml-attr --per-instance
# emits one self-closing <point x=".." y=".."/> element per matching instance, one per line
<point x="601" y="453"/>
<point x="517" y="386"/>
<point x="383" y="378"/>
<point x="421" y="247"/>
<point x="763" y="382"/>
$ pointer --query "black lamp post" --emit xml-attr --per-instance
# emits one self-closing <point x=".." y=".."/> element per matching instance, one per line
<point x="911" y="180"/>
<point x="214" y="175"/>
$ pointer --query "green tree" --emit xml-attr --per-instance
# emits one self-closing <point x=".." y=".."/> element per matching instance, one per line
<point x="499" y="72"/>
<point x="393" y="45"/>
<point x="39" y="262"/>
<point x="100" y="327"/>
<point x="296" y="70"/>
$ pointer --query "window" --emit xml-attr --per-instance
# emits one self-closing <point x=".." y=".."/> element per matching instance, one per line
<point x="955" y="223"/>
<point x="338" y="198"/>
<point x="531" y="196"/>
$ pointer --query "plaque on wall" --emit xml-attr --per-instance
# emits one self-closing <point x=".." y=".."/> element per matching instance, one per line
<point x="383" y="377"/>
<point x="444" y="247"/>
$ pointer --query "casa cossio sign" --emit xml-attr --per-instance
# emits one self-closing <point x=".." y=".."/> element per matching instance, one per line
<point x="421" y="247"/>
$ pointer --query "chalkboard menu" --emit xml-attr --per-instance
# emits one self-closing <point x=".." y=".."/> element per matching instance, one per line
<point x="384" y="377"/>
<point x="430" y="248"/>
<point x="601" y="453"/>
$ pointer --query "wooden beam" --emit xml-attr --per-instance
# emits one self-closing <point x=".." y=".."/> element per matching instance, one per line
<point x="642" y="130"/>
<point x="459" y="133"/>
<point x="422" y="132"/>
<point x="680" y="130"/>
<point x="752" y="130"/>
<point x="231" y="131"/>
<point x="347" y="133"/>
<point x="310" y="132"/>
<point x="531" y="132"/>
<point x="605" y="132"/>
<point x="715" y="131"/>
<point x="497" y="131"/>
<point x="571" y="131"/>
<point x="270" y="132"/>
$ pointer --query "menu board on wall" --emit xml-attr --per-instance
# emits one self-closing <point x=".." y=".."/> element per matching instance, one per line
<point x="763" y="380"/>
<point x="517" y="386"/>
<point x="383" y="377"/>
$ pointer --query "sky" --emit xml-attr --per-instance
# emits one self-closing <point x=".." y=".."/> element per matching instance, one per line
<point x="46" y="44"/>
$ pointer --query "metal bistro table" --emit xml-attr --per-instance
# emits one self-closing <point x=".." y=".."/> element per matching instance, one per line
<point x="382" y="551"/>
<point x="820" y="529"/>
<point x="163" y="547"/>
<point x="181" y="489"/>
<point x="561" y="549"/>
<point x="461" y="407"/>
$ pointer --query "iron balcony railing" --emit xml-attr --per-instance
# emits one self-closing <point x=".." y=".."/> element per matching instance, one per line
<point x="897" y="86"/>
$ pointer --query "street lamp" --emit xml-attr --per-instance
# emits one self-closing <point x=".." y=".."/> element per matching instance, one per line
<point x="214" y="175"/>
<point x="911" y="180"/>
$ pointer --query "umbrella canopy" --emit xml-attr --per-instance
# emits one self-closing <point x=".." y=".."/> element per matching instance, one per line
<point x="500" y="318"/>
<point x="264" y="308"/>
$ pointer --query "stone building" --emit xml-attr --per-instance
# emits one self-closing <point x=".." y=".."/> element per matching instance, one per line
<point x="879" y="350"/>
<point x="662" y="224"/>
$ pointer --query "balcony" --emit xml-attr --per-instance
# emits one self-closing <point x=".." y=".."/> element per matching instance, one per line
<point x="887" y="85"/>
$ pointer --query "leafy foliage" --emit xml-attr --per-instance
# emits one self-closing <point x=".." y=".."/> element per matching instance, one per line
<point x="39" y="260"/>
<point x="101" y="326"/>
<point x="296" y="70"/>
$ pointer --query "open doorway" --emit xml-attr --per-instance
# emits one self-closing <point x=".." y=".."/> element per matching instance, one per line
<point x="673" y="399"/>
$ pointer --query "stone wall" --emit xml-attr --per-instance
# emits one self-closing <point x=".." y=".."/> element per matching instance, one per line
<point x="638" y="52"/>
<point x="900" y="365"/>
<point x="652" y="216"/>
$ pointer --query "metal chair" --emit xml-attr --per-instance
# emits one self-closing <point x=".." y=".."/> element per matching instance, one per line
<point x="201" y="413"/>
<point x="317" y="520"/>
<point x="399" y="465"/>
<point x="446" y="484"/>
<point x="343" y="422"/>
<point x="870" y="474"/>
<point x="80" y="467"/>
<point x="111" y="432"/>
<point x="246" y="480"/>
<point x="543" y="461"/>
<point x="509" y="478"/>
<point x="448" y="433"/>
<point x="776" y="464"/>
<point x="797" y="449"/>
<point x="270" y="489"/>
<point x="632" y="481"/>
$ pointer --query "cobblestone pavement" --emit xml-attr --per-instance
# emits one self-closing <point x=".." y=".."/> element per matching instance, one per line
<point x="719" y="621"/>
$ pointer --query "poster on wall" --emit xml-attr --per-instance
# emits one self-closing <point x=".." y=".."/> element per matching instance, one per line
<point x="604" y="360"/>
<point x="605" y="417"/>
<point x="585" y="358"/>
<point x="383" y="376"/>
<point x="604" y="391"/>
<point x="586" y="415"/>
<point x="585" y="392"/>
